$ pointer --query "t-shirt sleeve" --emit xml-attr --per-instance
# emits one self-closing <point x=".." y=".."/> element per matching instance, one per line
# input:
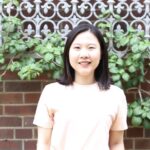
<point x="120" y="122"/>
<point x="43" y="115"/>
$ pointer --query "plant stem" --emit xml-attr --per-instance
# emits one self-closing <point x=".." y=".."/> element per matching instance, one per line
<point x="148" y="93"/>
<point x="139" y="91"/>
<point x="4" y="72"/>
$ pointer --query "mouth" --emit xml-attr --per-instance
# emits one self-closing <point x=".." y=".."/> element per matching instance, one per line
<point x="84" y="63"/>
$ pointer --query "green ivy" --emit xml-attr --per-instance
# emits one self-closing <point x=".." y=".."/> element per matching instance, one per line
<point x="32" y="57"/>
<point x="29" y="57"/>
<point x="14" y="2"/>
<point x="124" y="69"/>
<point x="139" y="112"/>
<point x="128" y="71"/>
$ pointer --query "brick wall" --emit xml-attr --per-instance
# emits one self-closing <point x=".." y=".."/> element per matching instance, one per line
<point x="18" y="100"/>
<point x="138" y="138"/>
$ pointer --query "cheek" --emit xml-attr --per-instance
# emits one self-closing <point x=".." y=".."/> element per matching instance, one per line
<point x="72" y="58"/>
<point x="97" y="57"/>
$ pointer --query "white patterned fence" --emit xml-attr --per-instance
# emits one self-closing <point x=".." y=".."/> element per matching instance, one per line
<point x="41" y="17"/>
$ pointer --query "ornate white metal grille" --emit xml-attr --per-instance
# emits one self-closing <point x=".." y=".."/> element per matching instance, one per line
<point x="43" y="16"/>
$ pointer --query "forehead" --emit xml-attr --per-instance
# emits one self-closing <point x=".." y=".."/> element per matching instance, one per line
<point x="85" y="37"/>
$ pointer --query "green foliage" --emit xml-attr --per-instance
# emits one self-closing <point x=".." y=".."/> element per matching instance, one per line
<point x="125" y="68"/>
<point x="128" y="71"/>
<point x="139" y="112"/>
<point x="14" y="2"/>
<point x="29" y="57"/>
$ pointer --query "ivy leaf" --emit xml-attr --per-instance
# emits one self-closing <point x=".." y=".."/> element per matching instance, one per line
<point x="2" y="60"/>
<point x="120" y="62"/>
<point x="118" y="83"/>
<point x="128" y="62"/>
<point x="59" y="60"/>
<point x="116" y="77"/>
<point x="134" y="104"/>
<point x="136" y="121"/>
<point x="136" y="56"/>
<point x="20" y="47"/>
<point x="135" y="48"/>
<point x="144" y="114"/>
<point x="48" y="57"/>
<point x="49" y="48"/>
<point x="57" y="51"/>
<point x="56" y="74"/>
<point x="132" y="69"/>
<point x="29" y="72"/>
<point x="126" y="77"/>
<point x="130" y="112"/>
<point x="137" y="111"/>
<point x="148" y="115"/>
<point x="114" y="70"/>
<point x="124" y="41"/>
<point x="134" y="41"/>
<point x="111" y="65"/>
<point x="14" y="66"/>
<point x="121" y="71"/>
<point x="146" y="123"/>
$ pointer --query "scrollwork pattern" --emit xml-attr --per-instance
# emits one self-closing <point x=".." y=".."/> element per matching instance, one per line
<point x="44" y="16"/>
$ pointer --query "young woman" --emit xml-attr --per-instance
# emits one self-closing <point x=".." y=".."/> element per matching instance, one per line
<point x="82" y="111"/>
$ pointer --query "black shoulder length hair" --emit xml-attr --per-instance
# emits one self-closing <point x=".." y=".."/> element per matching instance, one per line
<point x="101" y="72"/>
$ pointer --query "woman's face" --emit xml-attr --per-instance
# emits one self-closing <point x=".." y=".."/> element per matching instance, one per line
<point x="84" y="55"/>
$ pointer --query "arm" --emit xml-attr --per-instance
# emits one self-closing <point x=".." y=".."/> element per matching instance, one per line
<point x="116" y="140"/>
<point x="44" y="138"/>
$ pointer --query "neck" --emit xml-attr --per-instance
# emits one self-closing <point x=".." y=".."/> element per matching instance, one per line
<point x="84" y="80"/>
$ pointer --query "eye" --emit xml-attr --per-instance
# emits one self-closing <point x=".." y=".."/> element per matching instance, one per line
<point x="91" y="47"/>
<point x="77" y="47"/>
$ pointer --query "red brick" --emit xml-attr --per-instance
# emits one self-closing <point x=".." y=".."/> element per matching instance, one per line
<point x="145" y="86"/>
<point x="135" y="132"/>
<point x="28" y="122"/>
<point x="130" y="96"/>
<point x="35" y="133"/>
<point x="1" y="86"/>
<point x="44" y="76"/>
<point x="23" y="133"/>
<point x="6" y="133"/>
<point x="8" y="98"/>
<point x="1" y="110"/>
<point x="11" y="76"/>
<point x="10" y="145"/>
<point x="128" y="143"/>
<point x="147" y="75"/>
<point x="22" y="86"/>
<point x="44" y="83"/>
<point x="144" y="144"/>
<point x="30" y="145"/>
<point x="129" y="122"/>
<point x="147" y="133"/>
<point x="10" y="122"/>
<point x="32" y="97"/>
<point x="20" y="110"/>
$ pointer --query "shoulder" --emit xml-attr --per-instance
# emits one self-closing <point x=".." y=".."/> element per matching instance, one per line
<point x="115" y="88"/>
<point x="54" y="85"/>
<point x="116" y="92"/>
<point x="52" y="91"/>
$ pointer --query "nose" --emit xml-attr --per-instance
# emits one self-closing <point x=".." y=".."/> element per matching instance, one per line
<point x="84" y="53"/>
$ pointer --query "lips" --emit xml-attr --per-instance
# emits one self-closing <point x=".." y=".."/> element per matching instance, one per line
<point x="84" y="63"/>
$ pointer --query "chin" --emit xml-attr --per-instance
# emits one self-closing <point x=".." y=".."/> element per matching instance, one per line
<point x="86" y="74"/>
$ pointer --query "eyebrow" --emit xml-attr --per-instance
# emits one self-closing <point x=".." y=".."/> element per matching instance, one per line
<point x="81" y="44"/>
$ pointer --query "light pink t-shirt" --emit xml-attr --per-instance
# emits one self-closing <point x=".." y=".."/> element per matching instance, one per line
<point x="81" y="115"/>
